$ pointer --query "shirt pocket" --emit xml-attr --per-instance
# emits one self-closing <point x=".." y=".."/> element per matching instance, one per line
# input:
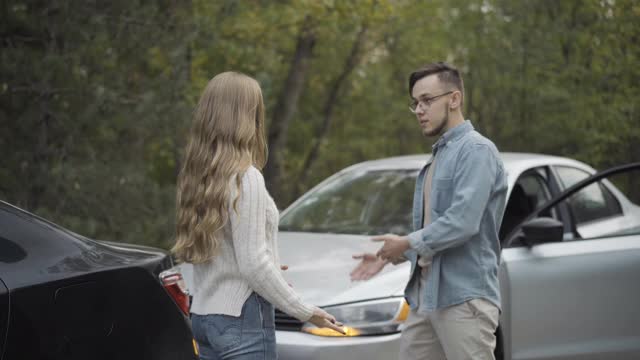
<point x="442" y="194"/>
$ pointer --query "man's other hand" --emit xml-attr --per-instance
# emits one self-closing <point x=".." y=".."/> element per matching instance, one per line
<point x="394" y="246"/>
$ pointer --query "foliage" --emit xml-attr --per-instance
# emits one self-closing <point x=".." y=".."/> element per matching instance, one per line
<point x="95" y="96"/>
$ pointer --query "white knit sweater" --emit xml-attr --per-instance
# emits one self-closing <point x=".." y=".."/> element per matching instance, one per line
<point x="248" y="259"/>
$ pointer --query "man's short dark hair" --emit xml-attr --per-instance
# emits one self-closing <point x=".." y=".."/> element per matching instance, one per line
<point x="447" y="74"/>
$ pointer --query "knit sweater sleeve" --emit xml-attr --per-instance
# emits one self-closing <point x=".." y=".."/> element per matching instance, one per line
<point x="248" y="227"/>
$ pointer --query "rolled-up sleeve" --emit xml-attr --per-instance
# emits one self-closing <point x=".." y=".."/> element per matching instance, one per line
<point x="473" y="184"/>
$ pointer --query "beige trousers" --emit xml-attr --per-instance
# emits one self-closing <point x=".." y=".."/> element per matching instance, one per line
<point x="459" y="332"/>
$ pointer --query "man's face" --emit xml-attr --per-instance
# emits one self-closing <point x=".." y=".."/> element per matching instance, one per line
<point x="433" y="118"/>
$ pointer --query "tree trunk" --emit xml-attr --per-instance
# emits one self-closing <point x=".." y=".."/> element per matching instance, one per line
<point x="38" y="172"/>
<point x="285" y="109"/>
<point x="330" y="105"/>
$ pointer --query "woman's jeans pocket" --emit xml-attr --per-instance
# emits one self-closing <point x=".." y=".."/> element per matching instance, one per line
<point x="222" y="332"/>
<point x="247" y="337"/>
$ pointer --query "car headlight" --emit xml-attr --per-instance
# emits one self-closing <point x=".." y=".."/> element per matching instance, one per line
<point x="375" y="317"/>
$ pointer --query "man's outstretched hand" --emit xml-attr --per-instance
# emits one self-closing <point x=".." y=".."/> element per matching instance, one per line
<point x="368" y="267"/>
<point x="394" y="246"/>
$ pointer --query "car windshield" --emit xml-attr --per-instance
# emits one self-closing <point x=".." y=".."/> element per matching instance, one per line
<point x="357" y="202"/>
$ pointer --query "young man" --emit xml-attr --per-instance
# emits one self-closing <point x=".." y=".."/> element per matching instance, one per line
<point x="454" y="251"/>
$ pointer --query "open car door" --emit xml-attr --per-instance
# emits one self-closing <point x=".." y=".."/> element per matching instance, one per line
<point x="576" y="296"/>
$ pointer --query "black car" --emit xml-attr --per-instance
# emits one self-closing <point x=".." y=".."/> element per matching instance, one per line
<point x="63" y="296"/>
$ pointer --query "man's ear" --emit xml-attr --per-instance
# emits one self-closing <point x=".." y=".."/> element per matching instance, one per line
<point x="456" y="100"/>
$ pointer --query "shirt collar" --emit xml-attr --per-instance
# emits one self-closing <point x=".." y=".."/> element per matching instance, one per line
<point x="453" y="134"/>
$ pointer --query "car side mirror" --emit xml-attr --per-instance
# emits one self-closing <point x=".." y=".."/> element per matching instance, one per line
<point x="542" y="230"/>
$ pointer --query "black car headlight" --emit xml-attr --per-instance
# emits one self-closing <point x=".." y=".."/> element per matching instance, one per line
<point x="376" y="317"/>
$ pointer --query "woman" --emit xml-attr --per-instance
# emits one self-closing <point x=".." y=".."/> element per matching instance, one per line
<point x="227" y="226"/>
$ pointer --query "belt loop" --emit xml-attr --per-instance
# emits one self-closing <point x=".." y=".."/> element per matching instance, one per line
<point x="260" y="309"/>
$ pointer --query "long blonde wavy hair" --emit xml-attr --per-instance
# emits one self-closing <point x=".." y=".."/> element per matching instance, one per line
<point x="227" y="136"/>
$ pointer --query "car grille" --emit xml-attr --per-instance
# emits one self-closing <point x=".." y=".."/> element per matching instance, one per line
<point x="285" y="322"/>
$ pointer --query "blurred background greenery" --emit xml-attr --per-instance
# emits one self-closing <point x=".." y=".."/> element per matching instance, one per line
<point x="96" y="96"/>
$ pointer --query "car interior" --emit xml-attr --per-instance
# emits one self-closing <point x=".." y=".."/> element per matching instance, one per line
<point x="518" y="208"/>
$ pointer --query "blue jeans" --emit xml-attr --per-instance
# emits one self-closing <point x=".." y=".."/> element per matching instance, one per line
<point x="251" y="336"/>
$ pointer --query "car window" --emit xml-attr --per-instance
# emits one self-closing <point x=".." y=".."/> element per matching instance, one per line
<point x="535" y="188"/>
<point x="594" y="202"/>
<point x="570" y="176"/>
<point x="366" y="202"/>
<point x="530" y="191"/>
<point x="622" y="184"/>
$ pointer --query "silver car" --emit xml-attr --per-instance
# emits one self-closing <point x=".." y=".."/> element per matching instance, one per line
<point x="569" y="276"/>
<point x="570" y="287"/>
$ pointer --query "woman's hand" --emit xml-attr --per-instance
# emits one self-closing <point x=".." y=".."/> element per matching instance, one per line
<point x="323" y="319"/>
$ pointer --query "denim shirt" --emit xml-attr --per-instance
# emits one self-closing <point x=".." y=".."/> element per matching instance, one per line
<point x="467" y="201"/>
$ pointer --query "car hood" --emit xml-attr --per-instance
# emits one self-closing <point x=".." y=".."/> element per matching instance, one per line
<point x="320" y="264"/>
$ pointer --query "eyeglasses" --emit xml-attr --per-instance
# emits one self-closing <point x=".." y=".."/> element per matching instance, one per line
<point x="426" y="102"/>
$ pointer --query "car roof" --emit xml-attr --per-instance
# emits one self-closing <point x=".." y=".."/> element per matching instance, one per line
<point x="514" y="162"/>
